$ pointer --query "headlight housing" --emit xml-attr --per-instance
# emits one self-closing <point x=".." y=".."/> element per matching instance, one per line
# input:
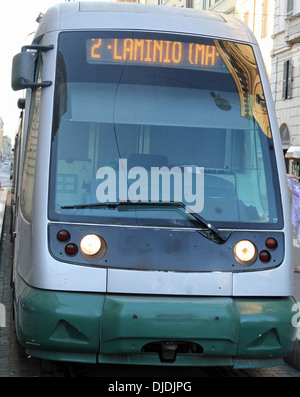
<point x="245" y="252"/>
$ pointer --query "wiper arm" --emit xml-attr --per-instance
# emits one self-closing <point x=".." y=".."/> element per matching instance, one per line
<point x="221" y="238"/>
<point x="215" y="234"/>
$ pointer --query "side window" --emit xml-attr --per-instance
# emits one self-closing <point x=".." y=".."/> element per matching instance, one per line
<point x="31" y="146"/>
<point x="290" y="8"/>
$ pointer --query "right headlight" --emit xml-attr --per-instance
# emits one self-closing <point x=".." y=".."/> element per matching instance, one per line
<point x="245" y="252"/>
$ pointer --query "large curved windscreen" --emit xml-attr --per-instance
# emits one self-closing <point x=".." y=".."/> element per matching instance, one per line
<point x="148" y="120"/>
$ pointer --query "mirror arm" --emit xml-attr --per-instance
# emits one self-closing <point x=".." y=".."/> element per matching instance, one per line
<point x="42" y="48"/>
<point x="38" y="85"/>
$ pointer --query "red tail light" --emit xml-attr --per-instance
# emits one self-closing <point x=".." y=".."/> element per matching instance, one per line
<point x="71" y="249"/>
<point x="271" y="243"/>
<point x="63" y="236"/>
<point x="264" y="256"/>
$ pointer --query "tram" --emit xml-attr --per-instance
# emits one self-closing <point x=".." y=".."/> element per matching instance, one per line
<point x="151" y="212"/>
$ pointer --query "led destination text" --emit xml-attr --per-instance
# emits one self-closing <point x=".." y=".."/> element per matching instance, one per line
<point x="143" y="51"/>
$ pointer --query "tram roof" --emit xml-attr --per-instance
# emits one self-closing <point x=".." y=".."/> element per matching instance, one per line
<point x="89" y="15"/>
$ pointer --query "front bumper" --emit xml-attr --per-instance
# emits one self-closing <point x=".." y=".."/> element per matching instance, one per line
<point x="152" y="330"/>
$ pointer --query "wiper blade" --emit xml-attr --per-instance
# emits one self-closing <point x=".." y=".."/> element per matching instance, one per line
<point x="90" y="205"/>
<point x="215" y="234"/>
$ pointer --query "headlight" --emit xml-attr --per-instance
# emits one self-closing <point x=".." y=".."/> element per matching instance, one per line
<point x="245" y="252"/>
<point x="90" y="244"/>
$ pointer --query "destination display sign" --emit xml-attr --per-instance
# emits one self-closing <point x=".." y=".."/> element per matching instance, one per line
<point x="152" y="52"/>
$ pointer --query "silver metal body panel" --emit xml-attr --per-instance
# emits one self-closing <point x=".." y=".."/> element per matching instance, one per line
<point x="112" y="16"/>
<point x="275" y="282"/>
<point x="169" y="283"/>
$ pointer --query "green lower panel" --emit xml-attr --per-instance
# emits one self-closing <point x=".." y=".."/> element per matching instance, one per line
<point x="129" y="323"/>
<point x="51" y="324"/>
<point x="91" y="327"/>
<point x="266" y="327"/>
<point x="249" y="332"/>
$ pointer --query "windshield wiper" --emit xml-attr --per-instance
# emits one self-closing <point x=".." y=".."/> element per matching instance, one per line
<point x="214" y="233"/>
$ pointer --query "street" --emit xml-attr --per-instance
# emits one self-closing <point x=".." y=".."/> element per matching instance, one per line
<point x="15" y="363"/>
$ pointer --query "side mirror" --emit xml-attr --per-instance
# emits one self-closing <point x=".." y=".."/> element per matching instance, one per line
<point x="23" y="69"/>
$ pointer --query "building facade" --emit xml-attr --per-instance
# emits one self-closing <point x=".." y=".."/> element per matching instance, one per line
<point x="180" y="3"/>
<point x="285" y="79"/>
<point x="258" y="15"/>
<point x="5" y="142"/>
<point x="7" y="148"/>
<point x="1" y="136"/>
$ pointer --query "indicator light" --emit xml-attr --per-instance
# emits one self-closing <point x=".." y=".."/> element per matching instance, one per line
<point x="71" y="249"/>
<point x="245" y="252"/>
<point x="40" y="17"/>
<point x="63" y="236"/>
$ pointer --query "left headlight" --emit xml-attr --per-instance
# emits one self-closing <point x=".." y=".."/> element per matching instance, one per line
<point x="90" y="244"/>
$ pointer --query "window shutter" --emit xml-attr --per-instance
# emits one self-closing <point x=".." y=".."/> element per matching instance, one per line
<point x="284" y="87"/>
<point x="289" y="79"/>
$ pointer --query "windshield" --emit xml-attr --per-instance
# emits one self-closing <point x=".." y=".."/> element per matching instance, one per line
<point x="146" y="117"/>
